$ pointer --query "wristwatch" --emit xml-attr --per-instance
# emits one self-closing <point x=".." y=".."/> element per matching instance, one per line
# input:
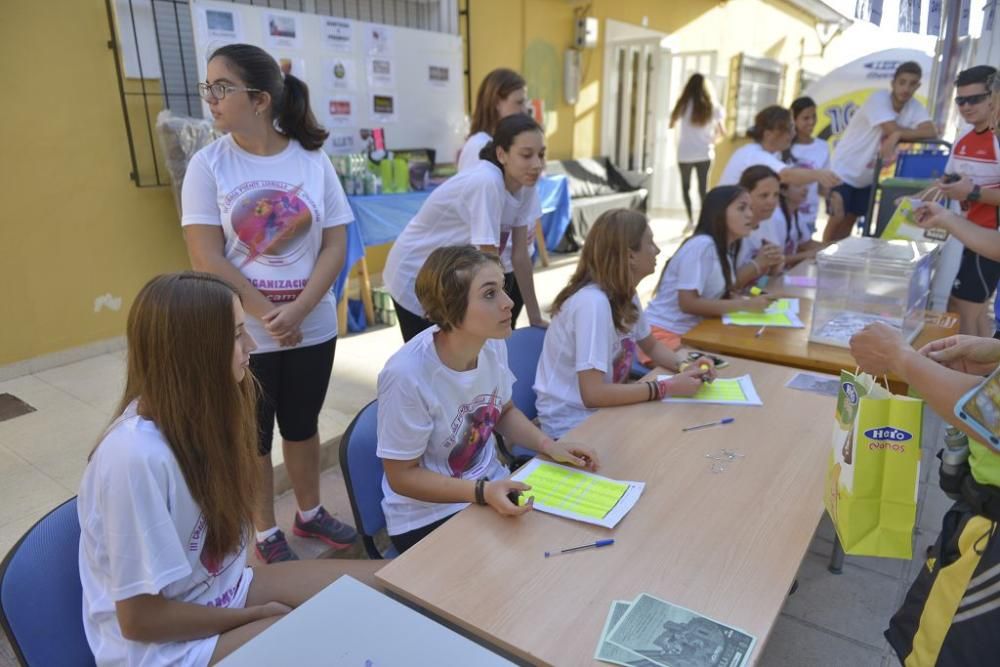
<point x="976" y="193"/>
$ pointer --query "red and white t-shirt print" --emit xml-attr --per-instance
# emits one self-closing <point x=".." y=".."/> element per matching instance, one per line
<point x="977" y="155"/>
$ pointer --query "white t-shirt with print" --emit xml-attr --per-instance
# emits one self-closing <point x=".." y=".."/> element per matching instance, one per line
<point x="811" y="156"/>
<point x="749" y="156"/>
<point x="581" y="337"/>
<point x="441" y="416"/>
<point x="774" y="230"/>
<point x="141" y="533"/>
<point x="272" y="210"/>
<point x="472" y="206"/>
<point x="855" y="153"/>
<point x="468" y="158"/>
<point x="695" y="266"/>
<point x="695" y="142"/>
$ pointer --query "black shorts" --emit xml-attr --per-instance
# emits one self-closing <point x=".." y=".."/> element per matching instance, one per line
<point x="977" y="278"/>
<point x="855" y="199"/>
<point x="292" y="387"/>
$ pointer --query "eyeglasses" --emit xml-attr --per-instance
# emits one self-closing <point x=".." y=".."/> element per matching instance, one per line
<point x="971" y="99"/>
<point x="218" y="90"/>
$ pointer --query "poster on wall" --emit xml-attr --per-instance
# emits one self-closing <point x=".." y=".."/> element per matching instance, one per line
<point x="378" y="40"/>
<point x="341" y="110"/>
<point x="380" y="73"/>
<point x="291" y="65"/>
<point x="221" y="24"/>
<point x="282" y="31"/>
<point x="342" y="142"/>
<point x="338" y="34"/>
<point x="438" y="75"/>
<point x="338" y="74"/>
<point x="383" y="108"/>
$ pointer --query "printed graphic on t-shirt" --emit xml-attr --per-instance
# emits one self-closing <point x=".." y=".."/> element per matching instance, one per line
<point x="214" y="566"/>
<point x="471" y="430"/>
<point x="623" y="360"/>
<point x="271" y="220"/>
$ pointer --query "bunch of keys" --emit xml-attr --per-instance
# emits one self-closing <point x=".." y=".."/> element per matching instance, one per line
<point x="721" y="461"/>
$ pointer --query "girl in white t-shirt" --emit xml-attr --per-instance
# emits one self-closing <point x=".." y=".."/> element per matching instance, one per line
<point x="810" y="153"/>
<point x="761" y="254"/>
<point x="798" y="242"/>
<point x="699" y="280"/>
<point x="488" y="205"/>
<point x="700" y="128"/>
<point x="166" y="500"/>
<point x="772" y="135"/>
<point x="503" y="93"/>
<point x="263" y="208"/>
<point x="597" y="327"/>
<point x="442" y="396"/>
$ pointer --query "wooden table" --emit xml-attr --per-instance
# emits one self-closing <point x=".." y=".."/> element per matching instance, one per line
<point x="726" y="544"/>
<point x="791" y="347"/>
<point x="348" y="623"/>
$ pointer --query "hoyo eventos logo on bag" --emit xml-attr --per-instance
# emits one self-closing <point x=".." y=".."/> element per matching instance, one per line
<point x="888" y="437"/>
<point x="850" y="392"/>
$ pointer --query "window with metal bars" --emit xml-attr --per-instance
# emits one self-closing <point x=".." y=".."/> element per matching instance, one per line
<point x="152" y="42"/>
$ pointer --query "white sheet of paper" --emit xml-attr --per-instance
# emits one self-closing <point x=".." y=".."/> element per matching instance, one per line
<point x="626" y="503"/>
<point x="752" y="397"/>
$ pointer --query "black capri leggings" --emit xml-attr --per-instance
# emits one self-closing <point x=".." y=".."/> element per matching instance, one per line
<point x="293" y="387"/>
<point x="702" y="169"/>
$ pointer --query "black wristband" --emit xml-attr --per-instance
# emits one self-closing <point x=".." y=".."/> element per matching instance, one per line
<point x="480" y="496"/>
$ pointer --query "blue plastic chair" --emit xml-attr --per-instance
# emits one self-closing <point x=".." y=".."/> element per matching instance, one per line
<point x="41" y="598"/>
<point x="362" y="470"/>
<point x="524" y="347"/>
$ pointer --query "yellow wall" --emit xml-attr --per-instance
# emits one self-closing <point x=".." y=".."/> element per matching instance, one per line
<point x="532" y="35"/>
<point x="74" y="226"/>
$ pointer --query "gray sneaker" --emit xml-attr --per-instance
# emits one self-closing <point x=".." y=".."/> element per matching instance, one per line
<point x="275" y="549"/>
<point x="325" y="528"/>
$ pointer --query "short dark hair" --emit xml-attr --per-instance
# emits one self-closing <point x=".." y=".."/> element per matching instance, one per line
<point x="978" y="74"/>
<point x="909" y="67"/>
<point x="443" y="282"/>
<point x="774" y="117"/>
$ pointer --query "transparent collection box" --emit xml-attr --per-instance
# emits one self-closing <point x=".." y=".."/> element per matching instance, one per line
<point x="861" y="280"/>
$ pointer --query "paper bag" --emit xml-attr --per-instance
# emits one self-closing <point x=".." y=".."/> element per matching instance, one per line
<point x="874" y="468"/>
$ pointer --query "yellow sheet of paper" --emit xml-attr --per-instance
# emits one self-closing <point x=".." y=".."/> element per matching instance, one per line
<point x="573" y="491"/>
<point x="721" y="390"/>
<point x="780" y="306"/>
<point x="760" y="319"/>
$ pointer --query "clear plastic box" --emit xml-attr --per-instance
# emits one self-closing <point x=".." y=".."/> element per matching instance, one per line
<point x="862" y="280"/>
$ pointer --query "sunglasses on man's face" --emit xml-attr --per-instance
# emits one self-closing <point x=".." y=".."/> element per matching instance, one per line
<point x="962" y="100"/>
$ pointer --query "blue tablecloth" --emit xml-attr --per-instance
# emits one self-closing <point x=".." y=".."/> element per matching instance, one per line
<point x="554" y="193"/>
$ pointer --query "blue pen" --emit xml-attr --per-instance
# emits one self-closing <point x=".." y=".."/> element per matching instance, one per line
<point x="726" y="420"/>
<point x="596" y="545"/>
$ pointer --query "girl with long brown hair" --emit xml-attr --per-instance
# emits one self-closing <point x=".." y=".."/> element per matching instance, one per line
<point x="700" y="128"/>
<point x="166" y="501"/>
<point x="597" y="327"/>
<point x="699" y="281"/>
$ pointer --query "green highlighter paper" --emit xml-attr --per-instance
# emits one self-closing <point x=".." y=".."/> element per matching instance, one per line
<point x="783" y="313"/>
<point x="723" y="391"/>
<point x="576" y="494"/>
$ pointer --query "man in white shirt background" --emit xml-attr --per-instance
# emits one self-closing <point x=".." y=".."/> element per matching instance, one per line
<point x="883" y="121"/>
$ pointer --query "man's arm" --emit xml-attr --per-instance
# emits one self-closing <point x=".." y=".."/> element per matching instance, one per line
<point x="925" y="130"/>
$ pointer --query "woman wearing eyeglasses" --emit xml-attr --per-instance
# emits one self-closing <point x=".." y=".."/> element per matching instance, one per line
<point x="263" y="209"/>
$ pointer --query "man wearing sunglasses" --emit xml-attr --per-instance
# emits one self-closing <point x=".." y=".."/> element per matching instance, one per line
<point x="975" y="158"/>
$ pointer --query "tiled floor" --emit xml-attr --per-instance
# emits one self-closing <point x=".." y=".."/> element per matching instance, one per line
<point x="830" y="621"/>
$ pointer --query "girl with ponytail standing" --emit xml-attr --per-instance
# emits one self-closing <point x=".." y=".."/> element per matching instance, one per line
<point x="264" y="210"/>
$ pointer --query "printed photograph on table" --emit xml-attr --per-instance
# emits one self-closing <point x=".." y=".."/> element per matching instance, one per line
<point x="612" y="653"/>
<point x="338" y="34"/>
<point x="338" y="74"/>
<point x="281" y="30"/>
<point x="668" y="635"/>
<point x="341" y="110"/>
<point x="825" y="385"/>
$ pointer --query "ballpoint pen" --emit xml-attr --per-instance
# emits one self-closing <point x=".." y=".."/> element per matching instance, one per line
<point x="593" y="545"/>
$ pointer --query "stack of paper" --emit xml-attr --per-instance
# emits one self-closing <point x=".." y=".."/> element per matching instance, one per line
<point x="781" y="313"/>
<point x="722" y="391"/>
<point x="576" y="494"/>
<point x="649" y="632"/>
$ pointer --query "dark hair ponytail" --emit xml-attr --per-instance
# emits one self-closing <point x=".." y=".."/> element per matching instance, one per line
<point x="507" y="131"/>
<point x="289" y="94"/>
